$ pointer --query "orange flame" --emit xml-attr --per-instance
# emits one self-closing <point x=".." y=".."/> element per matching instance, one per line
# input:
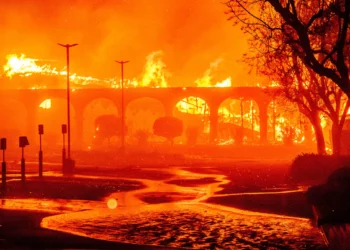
<point x="155" y="73"/>
<point x="206" y="79"/>
<point x="193" y="105"/>
<point x="25" y="66"/>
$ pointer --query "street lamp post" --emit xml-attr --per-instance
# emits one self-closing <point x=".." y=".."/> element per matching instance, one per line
<point x="68" y="46"/>
<point x="123" y="110"/>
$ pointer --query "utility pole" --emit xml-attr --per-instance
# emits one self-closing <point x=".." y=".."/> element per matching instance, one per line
<point x="123" y="110"/>
<point x="68" y="46"/>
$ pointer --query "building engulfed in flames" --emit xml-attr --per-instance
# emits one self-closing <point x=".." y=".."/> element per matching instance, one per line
<point x="234" y="115"/>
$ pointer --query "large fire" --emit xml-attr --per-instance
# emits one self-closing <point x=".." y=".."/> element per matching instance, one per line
<point x="26" y="66"/>
<point x="155" y="75"/>
<point x="155" y="72"/>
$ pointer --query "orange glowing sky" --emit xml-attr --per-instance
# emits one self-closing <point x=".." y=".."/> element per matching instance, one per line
<point x="191" y="33"/>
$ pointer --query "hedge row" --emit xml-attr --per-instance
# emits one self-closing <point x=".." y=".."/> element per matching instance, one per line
<point x="315" y="169"/>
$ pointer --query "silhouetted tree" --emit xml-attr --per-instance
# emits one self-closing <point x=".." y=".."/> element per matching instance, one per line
<point x="314" y="95"/>
<point x="283" y="55"/>
<point x="294" y="85"/>
<point x="168" y="127"/>
<point x="300" y="26"/>
<point x="318" y="95"/>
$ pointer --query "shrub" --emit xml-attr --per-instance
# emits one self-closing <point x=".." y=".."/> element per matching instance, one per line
<point x="168" y="127"/>
<point x="315" y="169"/>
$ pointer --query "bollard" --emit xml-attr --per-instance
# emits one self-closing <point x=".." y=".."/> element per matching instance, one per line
<point x="69" y="166"/>
<point x="3" y="177"/>
<point x="41" y="132"/>
<point x="40" y="164"/>
<point x="23" y="141"/>
<point x="64" y="163"/>
<point x="23" y="170"/>
<point x="63" y="160"/>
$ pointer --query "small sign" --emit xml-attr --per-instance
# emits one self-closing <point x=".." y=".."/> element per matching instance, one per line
<point x="64" y="129"/>
<point x="41" y="129"/>
<point x="3" y="143"/>
<point x="23" y="141"/>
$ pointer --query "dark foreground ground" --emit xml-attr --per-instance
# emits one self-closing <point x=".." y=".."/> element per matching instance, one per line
<point x="21" y="229"/>
<point x="58" y="187"/>
<point x="257" y="186"/>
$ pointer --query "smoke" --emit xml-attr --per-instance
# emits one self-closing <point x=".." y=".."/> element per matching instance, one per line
<point x="191" y="34"/>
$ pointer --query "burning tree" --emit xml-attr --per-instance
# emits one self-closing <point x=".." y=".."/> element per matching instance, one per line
<point x="306" y="49"/>
<point x="168" y="127"/>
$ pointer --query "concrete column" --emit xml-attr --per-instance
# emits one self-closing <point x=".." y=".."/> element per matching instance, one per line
<point x="32" y="123"/>
<point x="213" y="123"/>
<point x="79" y="106"/>
<point x="79" y="141"/>
<point x="168" y="108"/>
<point x="263" y="107"/>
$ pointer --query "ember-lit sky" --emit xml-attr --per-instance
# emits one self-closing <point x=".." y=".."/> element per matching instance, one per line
<point x="191" y="33"/>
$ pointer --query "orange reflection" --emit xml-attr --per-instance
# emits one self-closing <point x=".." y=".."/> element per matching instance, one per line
<point x="112" y="203"/>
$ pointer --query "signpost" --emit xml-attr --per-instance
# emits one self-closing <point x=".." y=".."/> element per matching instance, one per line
<point x="23" y="142"/>
<point x="3" y="176"/>
<point x="41" y="132"/>
<point x="64" y="131"/>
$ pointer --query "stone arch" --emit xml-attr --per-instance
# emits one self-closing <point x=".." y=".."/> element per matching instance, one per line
<point x="93" y="110"/>
<point x="195" y="114"/>
<point x="140" y="115"/>
<point x="52" y="117"/>
<point x="238" y="121"/>
<point x="14" y="120"/>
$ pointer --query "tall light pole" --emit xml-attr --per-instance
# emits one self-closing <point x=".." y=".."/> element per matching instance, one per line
<point x="68" y="46"/>
<point x="123" y="110"/>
